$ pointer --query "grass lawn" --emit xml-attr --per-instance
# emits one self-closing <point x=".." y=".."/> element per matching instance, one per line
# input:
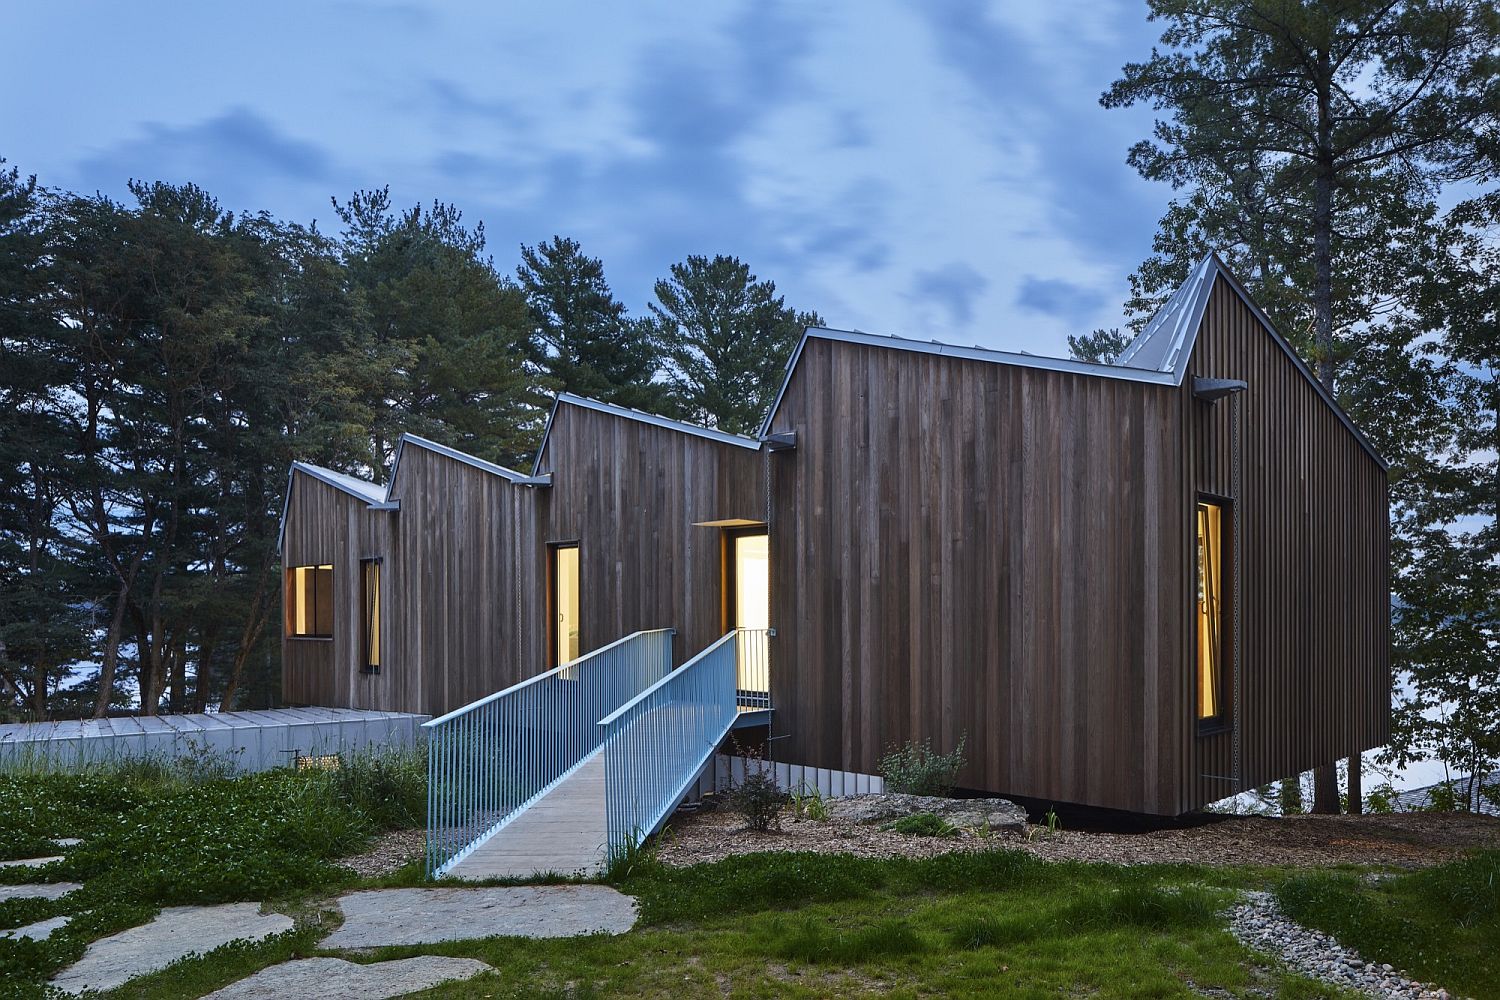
<point x="795" y="925"/>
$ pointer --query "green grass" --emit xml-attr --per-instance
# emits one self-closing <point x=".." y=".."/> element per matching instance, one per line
<point x="1440" y="925"/>
<point x="159" y="833"/>
<point x="989" y="923"/>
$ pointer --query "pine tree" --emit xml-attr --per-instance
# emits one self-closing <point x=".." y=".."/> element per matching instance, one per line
<point x="1101" y="346"/>
<point x="726" y="337"/>
<point x="1312" y="140"/>
<point x="451" y="331"/>
<point x="581" y="337"/>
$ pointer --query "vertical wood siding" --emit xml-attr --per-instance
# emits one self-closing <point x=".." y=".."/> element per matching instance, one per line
<point x="1314" y="599"/>
<point x="464" y="575"/>
<point x="970" y="549"/>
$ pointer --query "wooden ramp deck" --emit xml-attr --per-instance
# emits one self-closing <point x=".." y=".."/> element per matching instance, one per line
<point x="561" y="832"/>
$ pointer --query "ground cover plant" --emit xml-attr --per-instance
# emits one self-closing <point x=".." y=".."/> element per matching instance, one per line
<point x="917" y="769"/>
<point x="1440" y="925"/>
<point x="983" y="923"/>
<point x="162" y="833"/>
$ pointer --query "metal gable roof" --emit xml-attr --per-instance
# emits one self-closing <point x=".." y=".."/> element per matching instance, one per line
<point x="510" y="475"/>
<point x="655" y="419"/>
<point x="1159" y="355"/>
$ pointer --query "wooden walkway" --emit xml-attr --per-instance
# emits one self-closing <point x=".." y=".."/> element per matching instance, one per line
<point x="561" y="832"/>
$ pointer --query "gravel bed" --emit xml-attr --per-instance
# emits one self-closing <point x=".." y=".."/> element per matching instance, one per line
<point x="1260" y="925"/>
<point x="1407" y="840"/>
<point x="389" y="853"/>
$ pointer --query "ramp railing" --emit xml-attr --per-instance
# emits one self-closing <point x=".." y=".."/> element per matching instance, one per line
<point x="491" y="759"/>
<point x="656" y="744"/>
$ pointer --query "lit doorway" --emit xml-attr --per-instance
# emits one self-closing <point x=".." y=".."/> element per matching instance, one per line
<point x="747" y="579"/>
<point x="565" y="622"/>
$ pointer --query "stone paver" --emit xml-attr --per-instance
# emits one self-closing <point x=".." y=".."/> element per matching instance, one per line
<point x="45" y="890"/>
<point x="314" y="978"/>
<point x="177" y="932"/>
<point x="380" y="917"/>
<point x="561" y="832"/>
<point x="30" y="862"/>
<point x="39" y="931"/>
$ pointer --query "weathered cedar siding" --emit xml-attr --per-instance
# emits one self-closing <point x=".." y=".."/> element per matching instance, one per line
<point x="1314" y="564"/>
<point x="958" y="547"/>
<point x="966" y="548"/>
<point x="326" y="526"/>
<point x="629" y="492"/>
<point x="464" y="576"/>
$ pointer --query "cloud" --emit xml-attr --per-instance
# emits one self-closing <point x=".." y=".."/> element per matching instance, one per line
<point x="233" y="155"/>
<point x="1058" y="298"/>
<point x="954" y="287"/>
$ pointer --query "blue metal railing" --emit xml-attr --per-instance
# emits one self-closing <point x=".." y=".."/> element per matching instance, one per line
<point x="489" y="760"/>
<point x="655" y="746"/>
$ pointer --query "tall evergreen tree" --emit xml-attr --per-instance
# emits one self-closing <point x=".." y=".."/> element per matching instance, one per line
<point x="726" y="338"/>
<point x="1311" y="139"/>
<point x="452" y="331"/>
<point x="580" y="336"/>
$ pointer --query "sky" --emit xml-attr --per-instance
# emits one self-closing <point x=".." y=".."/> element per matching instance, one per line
<point x="938" y="170"/>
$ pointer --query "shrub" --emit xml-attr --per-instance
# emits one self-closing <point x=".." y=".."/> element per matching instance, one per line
<point x="923" y="825"/>
<point x="757" y="798"/>
<point x="917" y="769"/>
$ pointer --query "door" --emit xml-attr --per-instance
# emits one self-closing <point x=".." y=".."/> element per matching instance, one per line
<point x="565" y="622"/>
<point x="748" y="578"/>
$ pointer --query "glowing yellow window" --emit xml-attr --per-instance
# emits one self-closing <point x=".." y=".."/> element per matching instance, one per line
<point x="1209" y="608"/>
<point x="369" y="585"/>
<point x="309" y="610"/>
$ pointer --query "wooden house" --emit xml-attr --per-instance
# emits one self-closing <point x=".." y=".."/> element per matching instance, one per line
<point x="1141" y="586"/>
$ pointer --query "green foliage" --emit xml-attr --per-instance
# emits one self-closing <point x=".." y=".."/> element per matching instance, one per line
<point x="159" y="832"/>
<point x="757" y="797"/>
<point x="725" y="337"/>
<point x="386" y="784"/>
<point x="1438" y="925"/>
<point x="916" y="769"/>
<point x="923" y="825"/>
<point x="580" y="336"/>
<point x="1101" y="346"/>
<point x="808" y="803"/>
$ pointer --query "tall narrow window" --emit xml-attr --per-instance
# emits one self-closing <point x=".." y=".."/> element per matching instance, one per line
<point x="309" y="602"/>
<point x="565" y="604"/>
<point x="369" y="599"/>
<point x="1209" y="616"/>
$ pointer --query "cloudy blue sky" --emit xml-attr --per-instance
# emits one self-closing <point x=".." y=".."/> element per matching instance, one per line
<point x="940" y="169"/>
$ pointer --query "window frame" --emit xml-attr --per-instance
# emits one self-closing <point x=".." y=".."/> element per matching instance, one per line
<point x="371" y="632"/>
<point x="292" y="591"/>
<point x="1224" y="720"/>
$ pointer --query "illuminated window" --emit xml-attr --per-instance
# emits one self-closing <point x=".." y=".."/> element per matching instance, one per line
<point x="309" y="603"/>
<point x="1209" y="613"/>
<point x="369" y="588"/>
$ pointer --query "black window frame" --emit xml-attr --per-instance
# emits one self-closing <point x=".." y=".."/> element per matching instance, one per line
<point x="312" y="600"/>
<point x="1224" y="720"/>
<point x="366" y="626"/>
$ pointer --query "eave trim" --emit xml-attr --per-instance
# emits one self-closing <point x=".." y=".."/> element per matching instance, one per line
<point x="641" y="416"/>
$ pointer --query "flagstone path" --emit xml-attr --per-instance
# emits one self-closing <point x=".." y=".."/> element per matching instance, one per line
<point x="335" y="977"/>
<point x="380" y="917"/>
<point x="175" y="933"/>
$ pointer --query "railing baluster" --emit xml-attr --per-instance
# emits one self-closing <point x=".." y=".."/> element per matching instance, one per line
<point x="488" y="760"/>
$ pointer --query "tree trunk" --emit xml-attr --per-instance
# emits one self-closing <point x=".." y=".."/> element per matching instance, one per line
<point x="253" y="626"/>
<point x="203" y="676"/>
<point x="178" y="662"/>
<point x="1322" y="226"/>
<point x="1326" y="789"/>
<point x="111" y="652"/>
<point x="1356" y="785"/>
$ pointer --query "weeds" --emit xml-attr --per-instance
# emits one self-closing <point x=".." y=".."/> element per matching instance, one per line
<point x="756" y="796"/>
<point x="808" y="803"/>
<point x="923" y="825"/>
<point x="917" y="769"/>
